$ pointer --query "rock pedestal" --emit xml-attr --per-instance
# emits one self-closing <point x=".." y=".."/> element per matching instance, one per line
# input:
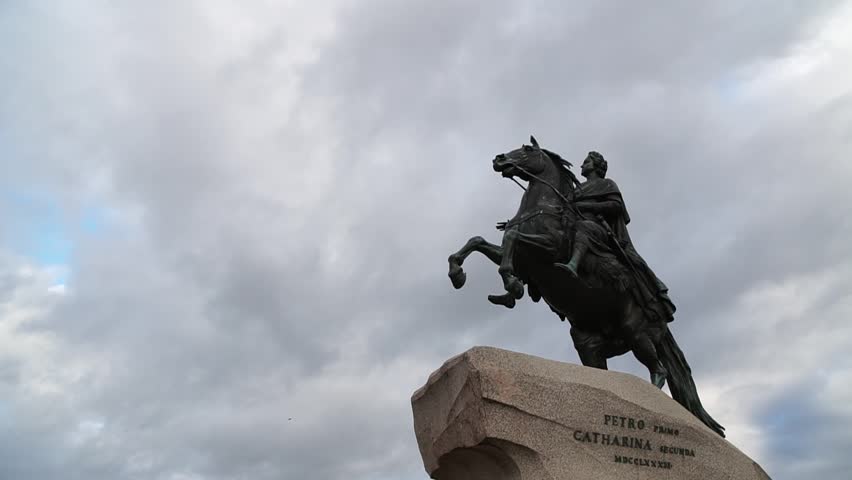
<point x="491" y="414"/>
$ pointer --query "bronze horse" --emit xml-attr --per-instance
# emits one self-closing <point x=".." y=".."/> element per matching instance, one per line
<point x="607" y="319"/>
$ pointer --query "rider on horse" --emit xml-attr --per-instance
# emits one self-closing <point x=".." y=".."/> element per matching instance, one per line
<point x="617" y="305"/>
<point x="599" y="197"/>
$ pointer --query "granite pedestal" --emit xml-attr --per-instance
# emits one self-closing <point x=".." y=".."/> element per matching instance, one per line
<point x="491" y="414"/>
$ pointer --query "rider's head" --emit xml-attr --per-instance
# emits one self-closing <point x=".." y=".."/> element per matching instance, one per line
<point x="594" y="163"/>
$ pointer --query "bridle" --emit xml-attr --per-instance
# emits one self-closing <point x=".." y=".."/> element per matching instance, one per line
<point x="568" y="203"/>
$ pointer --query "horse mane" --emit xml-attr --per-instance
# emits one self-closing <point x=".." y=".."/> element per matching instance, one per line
<point x="567" y="179"/>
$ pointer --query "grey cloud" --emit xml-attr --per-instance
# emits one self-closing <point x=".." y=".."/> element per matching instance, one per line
<point x="289" y="226"/>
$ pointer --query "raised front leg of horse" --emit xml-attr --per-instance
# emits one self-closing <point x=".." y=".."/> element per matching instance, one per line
<point x="507" y="269"/>
<point x="475" y="244"/>
<point x="493" y="252"/>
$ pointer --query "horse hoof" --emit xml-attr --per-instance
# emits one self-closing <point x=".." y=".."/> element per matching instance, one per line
<point x="515" y="288"/>
<point x="506" y="300"/>
<point x="658" y="379"/>
<point x="457" y="276"/>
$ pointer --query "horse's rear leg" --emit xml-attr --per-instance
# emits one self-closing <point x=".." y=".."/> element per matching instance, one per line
<point x="592" y="359"/>
<point x="589" y="348"/>
<point x="475" y="244"/>
<point x="642" y="346"/>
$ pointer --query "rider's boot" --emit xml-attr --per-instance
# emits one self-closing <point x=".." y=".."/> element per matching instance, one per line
<point x="573" y="265"/>
<point x="570" y="267"/>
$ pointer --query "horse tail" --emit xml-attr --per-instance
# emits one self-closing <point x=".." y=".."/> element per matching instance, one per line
<point x="680" y="381"/>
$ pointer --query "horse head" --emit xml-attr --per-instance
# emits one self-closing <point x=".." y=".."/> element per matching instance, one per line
<point x="524" y="163"/>
<point x="535" y="164"/>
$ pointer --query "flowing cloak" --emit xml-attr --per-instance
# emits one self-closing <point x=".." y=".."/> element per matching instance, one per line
<point x="604" y="198"/>
<point x="605" y="190"/>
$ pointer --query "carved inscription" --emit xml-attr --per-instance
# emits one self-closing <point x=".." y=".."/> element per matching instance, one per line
<point x="666" y="430"/>
<point x="606" y="439"/>
<point x="636" y="429"/>
<point x="643" y="462"/>
<point x="683" y="452"/>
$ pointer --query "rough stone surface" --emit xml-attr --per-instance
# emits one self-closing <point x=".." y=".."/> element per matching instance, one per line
<point x="495" y="414"/>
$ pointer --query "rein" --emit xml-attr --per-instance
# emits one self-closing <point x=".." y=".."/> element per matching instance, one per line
<point x="530" y="215"/>
<point x="568" y="203"/>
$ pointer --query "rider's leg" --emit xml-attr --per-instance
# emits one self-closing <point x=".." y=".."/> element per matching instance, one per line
<point x="581" y="245"/>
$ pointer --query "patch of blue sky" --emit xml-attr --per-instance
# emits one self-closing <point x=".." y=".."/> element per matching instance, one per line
<point x="729" y="87"/>
<point x="794" y="416"/>
<point x="93" y="220"/>
<point x="37" y="227"/>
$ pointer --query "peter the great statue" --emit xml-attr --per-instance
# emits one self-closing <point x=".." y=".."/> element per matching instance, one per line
<point x="568" y="243"/>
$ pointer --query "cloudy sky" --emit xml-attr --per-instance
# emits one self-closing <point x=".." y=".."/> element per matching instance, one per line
<point x="224" y="224"/>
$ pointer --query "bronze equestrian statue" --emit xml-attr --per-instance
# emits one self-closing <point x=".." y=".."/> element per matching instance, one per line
<point x="568" y="243"/>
